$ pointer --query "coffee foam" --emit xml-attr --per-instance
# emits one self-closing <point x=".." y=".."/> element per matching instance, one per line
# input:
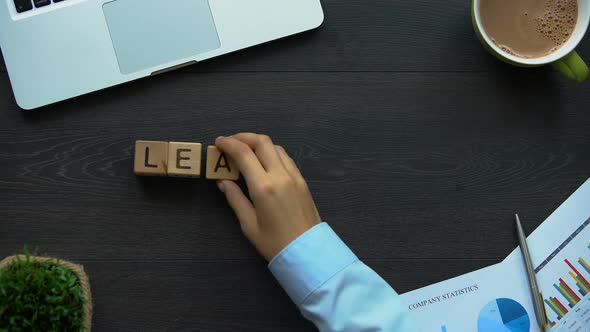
<point x="558" y="21"/>
<point x="507" y="49"/>
<point x="529" y="28"/>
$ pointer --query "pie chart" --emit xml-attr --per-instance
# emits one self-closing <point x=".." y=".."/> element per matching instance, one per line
<point x="503" y="315"/>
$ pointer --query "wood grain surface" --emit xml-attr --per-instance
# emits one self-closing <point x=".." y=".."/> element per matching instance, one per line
<point x="418" y="146"/>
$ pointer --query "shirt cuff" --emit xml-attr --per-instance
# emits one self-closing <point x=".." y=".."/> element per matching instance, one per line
<point x="310" y="261"/>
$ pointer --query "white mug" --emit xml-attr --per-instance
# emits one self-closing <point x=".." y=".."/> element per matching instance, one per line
<point x="565" y="59"/>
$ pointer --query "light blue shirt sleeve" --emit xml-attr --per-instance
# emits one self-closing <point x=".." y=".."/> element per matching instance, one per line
<point x="334" y="289"/>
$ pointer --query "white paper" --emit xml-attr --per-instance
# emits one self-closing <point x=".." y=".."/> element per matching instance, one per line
<point x="498" y="298"/>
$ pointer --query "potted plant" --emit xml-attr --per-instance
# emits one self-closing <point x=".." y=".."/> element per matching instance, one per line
<point x="43" y="294"/>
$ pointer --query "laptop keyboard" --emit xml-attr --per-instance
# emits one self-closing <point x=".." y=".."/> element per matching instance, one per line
<point x="24" y="5"/>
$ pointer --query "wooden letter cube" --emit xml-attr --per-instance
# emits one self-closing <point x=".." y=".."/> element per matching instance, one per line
<point x="184" y="159"/>
<point x="220" y="167"/>
<point x="151" y="158"/>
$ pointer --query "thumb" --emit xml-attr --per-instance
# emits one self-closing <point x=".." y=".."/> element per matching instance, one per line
<point x="241" y="205"/>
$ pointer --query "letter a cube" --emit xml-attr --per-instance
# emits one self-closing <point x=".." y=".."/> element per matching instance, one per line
<point x="220" y="167"/>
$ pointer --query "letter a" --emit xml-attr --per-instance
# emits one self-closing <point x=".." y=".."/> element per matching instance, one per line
<point x="219" y="163"/>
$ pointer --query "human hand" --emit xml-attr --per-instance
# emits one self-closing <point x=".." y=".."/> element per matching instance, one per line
<point x="282" y="207"/>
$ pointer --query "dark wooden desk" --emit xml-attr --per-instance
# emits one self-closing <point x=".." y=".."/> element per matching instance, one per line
<point x="418" y="146"/>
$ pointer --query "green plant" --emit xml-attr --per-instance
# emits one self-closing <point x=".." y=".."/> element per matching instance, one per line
<point x="40" y="296"/>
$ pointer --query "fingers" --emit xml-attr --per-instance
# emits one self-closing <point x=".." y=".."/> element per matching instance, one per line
<point x="311" y="212"/>
<point x="244" y="157"/>
<point x="241" y="205"/>
<point x="264" y="149"/>
<point x="288" y="162"/>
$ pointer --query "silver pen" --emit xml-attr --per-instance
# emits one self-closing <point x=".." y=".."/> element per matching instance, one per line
<point x="530" y="271"/>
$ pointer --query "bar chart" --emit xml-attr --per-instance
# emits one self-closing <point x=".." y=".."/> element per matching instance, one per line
<point x="570" y="295"/>
<point x="568" y="302"/>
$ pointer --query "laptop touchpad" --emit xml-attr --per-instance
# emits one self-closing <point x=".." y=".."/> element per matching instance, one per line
<point x="148" y="33"/>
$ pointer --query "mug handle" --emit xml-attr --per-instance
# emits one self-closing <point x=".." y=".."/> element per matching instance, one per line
<point x="573" y="67"/>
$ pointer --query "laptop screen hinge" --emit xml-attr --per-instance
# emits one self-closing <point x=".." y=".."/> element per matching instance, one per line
<point x="165" y="70"/>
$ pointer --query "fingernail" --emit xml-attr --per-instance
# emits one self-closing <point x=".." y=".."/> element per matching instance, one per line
<point x="221" y="186"/>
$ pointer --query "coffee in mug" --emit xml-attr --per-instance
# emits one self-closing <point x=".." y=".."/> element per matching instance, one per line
<point x="529" y="28"/>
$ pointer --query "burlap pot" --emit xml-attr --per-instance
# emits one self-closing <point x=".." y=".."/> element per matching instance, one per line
<point x="78" y="271"/>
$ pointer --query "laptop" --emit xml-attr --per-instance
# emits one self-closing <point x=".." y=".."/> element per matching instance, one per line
<point x="58" y="49"/>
